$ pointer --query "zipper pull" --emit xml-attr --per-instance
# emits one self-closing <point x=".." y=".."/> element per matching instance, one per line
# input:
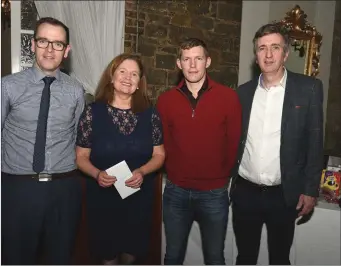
<point x="193" y="113"/>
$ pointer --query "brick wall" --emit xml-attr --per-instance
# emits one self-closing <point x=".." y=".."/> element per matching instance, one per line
<point x="155" y="28"/>
<point x="161" y="26"/>
<point x="333" y="121"/>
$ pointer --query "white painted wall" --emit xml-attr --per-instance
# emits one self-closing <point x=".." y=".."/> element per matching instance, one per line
<point x="324" y="21"/>
<point x="278" y="9"/>
<point x="254" y="15"/>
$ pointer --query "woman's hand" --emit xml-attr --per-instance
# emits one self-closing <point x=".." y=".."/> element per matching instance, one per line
<point x="136" y="180"/>
<point x="105" y="180"/>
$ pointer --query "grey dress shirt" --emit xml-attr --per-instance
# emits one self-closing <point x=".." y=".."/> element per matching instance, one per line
<point x="20" y="103"/>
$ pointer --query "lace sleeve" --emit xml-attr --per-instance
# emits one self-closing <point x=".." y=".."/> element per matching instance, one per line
<point x="157" y="128"/>
<point x="84" y="132"/>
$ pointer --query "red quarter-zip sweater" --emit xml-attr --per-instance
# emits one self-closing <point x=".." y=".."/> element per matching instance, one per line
<point x="201" y="144"/>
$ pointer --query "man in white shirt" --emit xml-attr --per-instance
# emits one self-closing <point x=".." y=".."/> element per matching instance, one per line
<point x="280" y="157"/>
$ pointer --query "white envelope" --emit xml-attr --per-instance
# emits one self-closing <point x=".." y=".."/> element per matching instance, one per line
<point x="122" y="172"/>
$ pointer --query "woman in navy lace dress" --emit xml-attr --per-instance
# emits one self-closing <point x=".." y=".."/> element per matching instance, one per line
<point x="120" y="125"/>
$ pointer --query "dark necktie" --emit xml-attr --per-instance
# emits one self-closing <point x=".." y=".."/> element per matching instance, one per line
<point x="39" y="146"/>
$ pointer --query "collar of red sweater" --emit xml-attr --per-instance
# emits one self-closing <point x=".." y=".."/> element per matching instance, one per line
<point x="210" y="81"/>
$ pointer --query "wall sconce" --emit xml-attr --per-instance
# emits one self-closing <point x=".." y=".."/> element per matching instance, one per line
<point x="6" y="13"/>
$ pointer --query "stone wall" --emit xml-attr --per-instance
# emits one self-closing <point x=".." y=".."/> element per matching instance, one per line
<point x="333" y="123"/>
<point x="155" y="28"/>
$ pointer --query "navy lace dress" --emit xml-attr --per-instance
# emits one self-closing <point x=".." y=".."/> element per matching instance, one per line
<point x="119" y="225"/>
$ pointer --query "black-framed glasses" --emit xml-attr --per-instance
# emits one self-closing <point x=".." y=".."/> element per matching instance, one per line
<point x="56" y="45"/>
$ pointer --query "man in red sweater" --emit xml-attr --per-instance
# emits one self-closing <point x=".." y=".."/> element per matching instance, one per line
<point x="202" y="125"/>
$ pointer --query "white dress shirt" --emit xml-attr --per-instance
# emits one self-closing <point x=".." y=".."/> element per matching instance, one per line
<point x="261" y="159"/>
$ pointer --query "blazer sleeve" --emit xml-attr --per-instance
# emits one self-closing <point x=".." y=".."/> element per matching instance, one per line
<point x="233" y="131"/>
<point x="314" y="155"/>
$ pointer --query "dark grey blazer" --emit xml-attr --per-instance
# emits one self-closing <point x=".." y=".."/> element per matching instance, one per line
<point x="301" y="151"/>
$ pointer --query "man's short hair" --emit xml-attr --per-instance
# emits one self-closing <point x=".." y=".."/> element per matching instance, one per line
<point x="190" y="43"/>
<point x="270" y="29"/>
<point x="54" y="22"/>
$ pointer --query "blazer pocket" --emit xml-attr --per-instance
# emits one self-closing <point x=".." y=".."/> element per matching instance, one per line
<point x="298" y="115"/>
<point x="299" y="107"/>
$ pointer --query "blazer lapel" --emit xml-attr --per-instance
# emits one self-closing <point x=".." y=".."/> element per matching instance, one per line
<point x="289" y="90"/>
<point x="248" y="104"/>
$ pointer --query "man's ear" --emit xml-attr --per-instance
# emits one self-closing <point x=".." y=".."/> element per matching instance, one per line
<point x="208" y="62"/>
<point x="178" y="63"/>
<point x="67" y="50"/>
<point x="286" y="55"/>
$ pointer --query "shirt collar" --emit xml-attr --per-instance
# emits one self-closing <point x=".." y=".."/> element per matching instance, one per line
<point x="204" y="87"/>
<point x="282" y="82"/>
<point x="38" y="75"/>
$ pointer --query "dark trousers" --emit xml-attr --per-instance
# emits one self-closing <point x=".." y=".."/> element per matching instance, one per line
<point x="39" y="218"/>
<point x="253" y="206"/>
<point x="183" y="206"/>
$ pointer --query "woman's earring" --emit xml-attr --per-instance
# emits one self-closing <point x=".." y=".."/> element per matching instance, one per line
<point x="137" y="88"/>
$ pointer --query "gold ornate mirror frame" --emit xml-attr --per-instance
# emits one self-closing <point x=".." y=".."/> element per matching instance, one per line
<point x="304" y="38"/>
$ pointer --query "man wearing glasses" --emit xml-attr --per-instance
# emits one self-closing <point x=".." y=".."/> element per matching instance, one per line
<point x="41" y="193"/>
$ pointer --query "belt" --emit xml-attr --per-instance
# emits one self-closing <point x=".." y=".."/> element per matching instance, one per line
<point x="44" y="177"/>
<point x="261" y="187"/>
